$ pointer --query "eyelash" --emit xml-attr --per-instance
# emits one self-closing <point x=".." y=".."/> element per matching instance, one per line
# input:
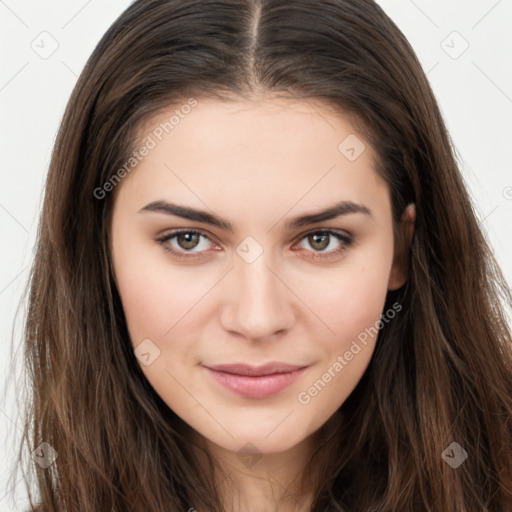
<point x="345" y="239"/>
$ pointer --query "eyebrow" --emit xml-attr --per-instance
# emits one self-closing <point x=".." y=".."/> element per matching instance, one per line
<point x="337" y="210"/>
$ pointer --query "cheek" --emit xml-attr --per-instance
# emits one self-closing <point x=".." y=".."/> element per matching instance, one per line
<point x="353" y="312"/>
<point x="158" y="302"/>
<point x="354" y="302"/>
<point x="155" y="296"/>
<point x="350" y="302"/>
<point x="350" y="297"/>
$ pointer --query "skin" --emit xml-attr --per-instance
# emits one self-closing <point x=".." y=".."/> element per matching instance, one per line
<point x="256" y="164"/>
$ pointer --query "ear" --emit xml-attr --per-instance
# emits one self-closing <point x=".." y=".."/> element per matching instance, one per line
<point x="399" y="271"/>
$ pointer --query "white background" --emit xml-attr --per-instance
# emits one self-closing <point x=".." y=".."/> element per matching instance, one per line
<point x="474" y="91"/>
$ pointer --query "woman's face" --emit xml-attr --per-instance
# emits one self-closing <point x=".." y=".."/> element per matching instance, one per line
<point x="259" y="274"/>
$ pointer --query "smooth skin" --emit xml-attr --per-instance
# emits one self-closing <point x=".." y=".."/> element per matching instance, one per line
<point x="257" y="164"/>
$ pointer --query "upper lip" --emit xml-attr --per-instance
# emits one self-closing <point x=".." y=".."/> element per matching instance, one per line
<point x="246" y="369"/>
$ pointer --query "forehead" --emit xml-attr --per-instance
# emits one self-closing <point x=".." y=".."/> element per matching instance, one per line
<point x="269" y="124"/>
<point x="286" y="149"/>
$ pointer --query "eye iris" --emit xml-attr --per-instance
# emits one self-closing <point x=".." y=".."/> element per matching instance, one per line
<point x="188" y="240"/>
<point x="317" y="238"/>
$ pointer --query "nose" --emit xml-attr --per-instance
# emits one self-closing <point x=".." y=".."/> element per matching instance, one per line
<point x="259" y="304"/>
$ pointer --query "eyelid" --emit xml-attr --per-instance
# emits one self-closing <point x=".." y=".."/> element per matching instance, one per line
<point x="342" y="236"/>
<point x="167" y="236"/>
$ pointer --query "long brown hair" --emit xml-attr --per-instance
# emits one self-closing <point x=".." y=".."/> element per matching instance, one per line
<point x="440" y="375"/>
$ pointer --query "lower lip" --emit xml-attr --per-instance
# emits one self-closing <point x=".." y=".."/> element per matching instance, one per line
<point x="261" y="386"/>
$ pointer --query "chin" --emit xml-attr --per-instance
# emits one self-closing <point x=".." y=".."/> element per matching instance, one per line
<point x="254" y="438"/>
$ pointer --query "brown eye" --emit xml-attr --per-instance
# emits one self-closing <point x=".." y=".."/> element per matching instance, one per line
<point x="187" y="240"/>
<point x="324" y="243"/>
<point x="319" y="241"/>
<point x="186" y="243"/>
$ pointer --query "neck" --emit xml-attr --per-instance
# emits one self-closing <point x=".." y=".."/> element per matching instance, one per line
<point x="266" y="482"/>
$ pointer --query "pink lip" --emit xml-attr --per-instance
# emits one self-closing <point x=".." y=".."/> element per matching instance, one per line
<point x="256" y="382"/>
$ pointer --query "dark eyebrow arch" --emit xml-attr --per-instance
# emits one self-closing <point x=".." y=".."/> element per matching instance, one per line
<point x="342" y="208"/>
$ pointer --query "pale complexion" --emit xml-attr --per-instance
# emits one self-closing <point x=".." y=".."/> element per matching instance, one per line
<point x="258" y="165"/>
